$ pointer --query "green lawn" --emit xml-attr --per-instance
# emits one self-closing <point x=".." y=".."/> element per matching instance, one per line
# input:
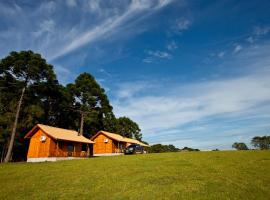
<point x="190" y="175"/>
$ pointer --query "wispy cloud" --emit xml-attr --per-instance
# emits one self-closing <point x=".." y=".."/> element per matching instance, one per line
<point x="261" y="30"/>
<point x="157" y="55"/>
<point x="237" y="48"/>
<point x="103" y="71"/>
<point x="180" y="25"/>
<point x="111" y="24"/>
<point x="62" y="37"/>
<point x="221" y="54"/>
<point x="172" y="46"/>
<point x="71" y="3"/>
<point x="250" y="39"/>
<point x="174" y="107"/>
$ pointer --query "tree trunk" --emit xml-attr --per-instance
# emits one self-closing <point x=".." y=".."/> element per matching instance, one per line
<point x="11" y="143"/>
<point x="82" y="121"/>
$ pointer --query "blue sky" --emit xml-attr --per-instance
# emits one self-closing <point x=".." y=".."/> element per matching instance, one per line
<point x="190" y="73"/>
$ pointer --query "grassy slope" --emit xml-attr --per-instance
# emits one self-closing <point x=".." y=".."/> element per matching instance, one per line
<point x="194" y="175"/>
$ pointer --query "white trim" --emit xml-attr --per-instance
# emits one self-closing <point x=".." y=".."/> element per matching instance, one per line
<point x="51" y="159"/>
<point x="108" y="154"/>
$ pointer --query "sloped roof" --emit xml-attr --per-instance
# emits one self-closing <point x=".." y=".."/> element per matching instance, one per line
<point x="119" y="138"/>
<point x="129" y="140"/>
<point x="59" y="134"/>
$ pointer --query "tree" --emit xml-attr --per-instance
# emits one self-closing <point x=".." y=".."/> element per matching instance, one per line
<point x="91" y="104"/>
<point x="128" y="128"/>
<point x="25" y="69"/>
<point x="31" y="94"/>
<point x="189" y="149"/>
<point x="262" y="142"/>
<point x="240" y="146"/>
<point x="159" y="148"/>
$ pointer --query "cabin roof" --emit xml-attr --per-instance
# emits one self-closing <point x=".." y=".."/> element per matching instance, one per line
<point x="59" y="134"/>
<point x="119" y="138"/>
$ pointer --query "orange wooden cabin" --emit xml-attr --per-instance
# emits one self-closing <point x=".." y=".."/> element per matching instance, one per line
<point x="106" y="143"/>
<point x="49" y="143"/>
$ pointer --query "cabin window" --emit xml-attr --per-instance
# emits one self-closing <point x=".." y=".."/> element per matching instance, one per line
<point x="60" y="145"/>
<point x="70" y="147"/>
<point x="84" y="147"/>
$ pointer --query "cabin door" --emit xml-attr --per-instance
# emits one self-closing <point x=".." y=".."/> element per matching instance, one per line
<point x="90" y="146"/>
<point x="70" y="149"/>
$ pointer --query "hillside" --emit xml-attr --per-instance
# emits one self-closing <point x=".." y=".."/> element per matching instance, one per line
<point x="188" y="175"/>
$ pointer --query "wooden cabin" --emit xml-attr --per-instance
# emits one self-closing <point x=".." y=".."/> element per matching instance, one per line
<point x="106" y="143"/>
<point x="49" y="143"/>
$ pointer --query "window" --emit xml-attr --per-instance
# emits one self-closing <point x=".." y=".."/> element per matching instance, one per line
<point x="60" y="145"/>
<point x="70" y="147"/>
<point x="84" y="147"/>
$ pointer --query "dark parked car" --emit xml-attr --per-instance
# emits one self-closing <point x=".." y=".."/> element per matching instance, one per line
<point x="134" y="149"/>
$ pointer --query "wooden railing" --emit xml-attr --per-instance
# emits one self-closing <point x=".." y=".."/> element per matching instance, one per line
<point x="69" y="154"/>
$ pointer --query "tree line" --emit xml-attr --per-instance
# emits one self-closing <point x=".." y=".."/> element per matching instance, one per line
<point x="159" y="148"/>
<point x="30" y="94"/>
<point x="259" y="142"/>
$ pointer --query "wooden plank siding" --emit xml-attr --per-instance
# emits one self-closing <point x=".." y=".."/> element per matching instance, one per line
<point x="102" y="147"/>
<point x="53" y="148"/>
<point x="37" y="148"/>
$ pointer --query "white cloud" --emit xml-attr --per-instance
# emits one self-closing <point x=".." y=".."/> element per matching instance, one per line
<point x="71" y="3"/>
<point x="94" y="6"/>
<point x="156" y="56"/>
<point x="250" y="40"/>
<point x="237" y="48"/>
<point x="206" y="99"/>
<point x="47" y="26"/>
<point x="110" y="25"/>
<point x="172" y="46"/>
<point x="148" y="60"/>
<point x="103" y="71"/>
<point x="183" y="24"/>
<point x="171" y="107"/>
<point x="221" y="54"/>
<point x="54" y="37"/>
<point x="159" y="54"/>
<point x="180" y="25"/>
<point x="128" y="90"/>
<point x="63" y="74"/>
<point x="261" y="30"/>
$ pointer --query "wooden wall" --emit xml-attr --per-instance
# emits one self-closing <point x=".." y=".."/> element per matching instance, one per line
<point x="100" y="147"/>
<point x="38" y="149"/>
<point x="52" y="148"/>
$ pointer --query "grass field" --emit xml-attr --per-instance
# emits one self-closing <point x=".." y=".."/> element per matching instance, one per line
<point x="190" y="175"/>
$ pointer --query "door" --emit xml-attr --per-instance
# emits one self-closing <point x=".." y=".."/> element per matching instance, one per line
<point x="70" y="149"/>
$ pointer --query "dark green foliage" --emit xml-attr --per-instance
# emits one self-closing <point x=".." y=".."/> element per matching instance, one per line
<point x="20" y="70"/>
<point x="262" y="142"/>
<point x="46" y="101"/>
<point x="159" y="148"/>
<point x="240" y="146"/>
<point x="189" y="149"/>
<point x="88" y="97"/>
<point x="127" y="128"/>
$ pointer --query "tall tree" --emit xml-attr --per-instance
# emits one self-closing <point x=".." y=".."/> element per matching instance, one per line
<point x="128" y="128"/>
<point x="92" y="104"/>
<point x="26" y="69"/>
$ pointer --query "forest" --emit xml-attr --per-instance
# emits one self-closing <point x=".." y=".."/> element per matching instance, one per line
<point x="82" y="105"/>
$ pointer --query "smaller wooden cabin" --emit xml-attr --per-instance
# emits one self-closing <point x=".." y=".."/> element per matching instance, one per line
<point x="49" y="143"/>
<point x="106" y="143"/>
